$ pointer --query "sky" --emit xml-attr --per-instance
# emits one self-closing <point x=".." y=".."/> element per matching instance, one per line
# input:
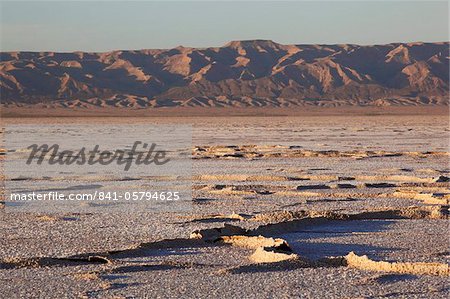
<point x="122" y="25"/>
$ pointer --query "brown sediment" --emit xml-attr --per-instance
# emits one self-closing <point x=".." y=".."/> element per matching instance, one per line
<point x="271" y="255"/>
<point x="219" y="217"/>
<point x="37" y="262"/>
<point x="252" y="242"/>
<point x="268" y="250"/>
<point x="214" y="233"/>
<point x="364" y="263"/>
<point x="279" y="151"/>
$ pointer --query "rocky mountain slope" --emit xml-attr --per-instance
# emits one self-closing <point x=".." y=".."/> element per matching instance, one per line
<point x="240" y="74"/>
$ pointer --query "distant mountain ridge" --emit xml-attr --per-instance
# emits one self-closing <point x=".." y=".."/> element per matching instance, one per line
<point x="254" y="73"/>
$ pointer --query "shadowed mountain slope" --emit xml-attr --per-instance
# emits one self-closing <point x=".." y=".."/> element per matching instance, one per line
<point x="254" y="73"/>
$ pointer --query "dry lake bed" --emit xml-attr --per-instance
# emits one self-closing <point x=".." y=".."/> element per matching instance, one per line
<point x="318" y="206"/>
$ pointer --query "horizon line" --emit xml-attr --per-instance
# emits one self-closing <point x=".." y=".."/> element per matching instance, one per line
<point x="227" y="44"/>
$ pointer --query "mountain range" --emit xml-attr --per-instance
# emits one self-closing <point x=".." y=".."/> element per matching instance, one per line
<point x="254" y="73"/>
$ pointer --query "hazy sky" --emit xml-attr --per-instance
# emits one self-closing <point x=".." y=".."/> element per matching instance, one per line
<point x="109" y="25"/>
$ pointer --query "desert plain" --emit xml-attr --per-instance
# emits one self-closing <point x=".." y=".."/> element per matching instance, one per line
<point x="332" y="206"/>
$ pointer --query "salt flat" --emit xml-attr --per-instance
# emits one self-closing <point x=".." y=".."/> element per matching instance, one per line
<point x="325" y="186"/>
